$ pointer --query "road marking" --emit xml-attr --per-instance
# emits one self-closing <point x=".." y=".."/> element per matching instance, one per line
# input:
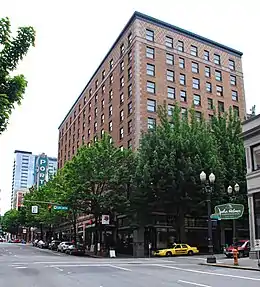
<point x="208" y="273"/>
<point x="21" y="267"/>
<point x="58" y="269"/>
<point x="193" y="283"/>
<point x="120" y="268"/>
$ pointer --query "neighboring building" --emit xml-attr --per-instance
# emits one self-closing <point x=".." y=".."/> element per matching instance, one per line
<point x="152" y="63"/>
<point x="18" y="200"/>
<point x="24" y="172"/>
<point x="251" y="137"/>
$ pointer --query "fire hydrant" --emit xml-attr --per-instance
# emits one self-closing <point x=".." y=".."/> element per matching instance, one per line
<point x="235" y="256"/>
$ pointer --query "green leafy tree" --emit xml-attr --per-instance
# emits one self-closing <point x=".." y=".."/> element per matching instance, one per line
<point x="12" y="220"/>
<point x="12" y="50"/>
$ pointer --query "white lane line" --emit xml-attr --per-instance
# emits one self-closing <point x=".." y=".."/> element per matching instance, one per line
<point x="208" y="273"/>
<point x="21" y="267"/>
<point x="78" y="265"/>
<point x="120" y="268"/>
<point x="58" y="269"/>
<point x="193" y="283"/>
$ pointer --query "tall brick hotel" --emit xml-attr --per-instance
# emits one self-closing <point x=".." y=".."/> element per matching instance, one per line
<point x="150" y="64"/>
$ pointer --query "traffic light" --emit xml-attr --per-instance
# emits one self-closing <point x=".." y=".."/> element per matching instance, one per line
<point x="49" y="207"/>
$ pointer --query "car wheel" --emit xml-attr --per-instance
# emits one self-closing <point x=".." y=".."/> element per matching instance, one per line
<point x="190" y="253"/>
<point x="168" y="253"/>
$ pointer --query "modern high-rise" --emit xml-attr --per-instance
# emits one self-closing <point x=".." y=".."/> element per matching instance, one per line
<point x="152" y="63"/>
<point x="26" y="169"/>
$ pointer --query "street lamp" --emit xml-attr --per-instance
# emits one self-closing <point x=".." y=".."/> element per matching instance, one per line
<point x="208" y="187"/>
<point x="232" y="196"/>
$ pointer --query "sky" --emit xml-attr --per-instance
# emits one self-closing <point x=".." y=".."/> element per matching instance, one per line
<point x="72" y="39"/>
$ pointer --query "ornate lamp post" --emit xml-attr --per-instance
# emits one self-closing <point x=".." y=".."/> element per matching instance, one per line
<point x="208" y="187"/>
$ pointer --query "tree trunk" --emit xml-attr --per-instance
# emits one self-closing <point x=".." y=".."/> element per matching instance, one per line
<point x="181" y="236"/>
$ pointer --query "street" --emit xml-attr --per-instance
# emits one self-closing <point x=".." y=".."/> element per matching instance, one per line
<point x="27" y="266"/>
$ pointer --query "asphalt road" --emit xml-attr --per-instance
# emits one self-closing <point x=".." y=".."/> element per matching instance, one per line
<point x="27" y="266"/>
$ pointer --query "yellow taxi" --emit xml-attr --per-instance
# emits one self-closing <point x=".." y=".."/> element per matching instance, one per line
<point x="177" y="249"/>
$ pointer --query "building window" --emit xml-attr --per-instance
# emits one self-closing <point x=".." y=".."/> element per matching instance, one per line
<point x="90" y="93"/>
<point x="130" y="74"/>
<point x="150" y="87"/>
<point x="102" y="132"/>
<point x="96" y="84"/>
<point x="198" y="116"/>
<point x="196" y="100"/>
<point x="121" y="98"/>
<point x="96" y="98"/>
<point x="170" y="76"/>
<point x="170" y="110"/>
<point x="130" y="56"/>
<point x="182" y="79"/>
<point x="181" y="63"/>
<point x="130" y="39"/>
<point x="130" y="126"/>
<point x="149" y="35"/>
<point x="194" y="51"/>
<point x="210" y="104"/>
<point x="169" y="42"/>
<point x="130" y="91"/>
<point x="85" y="100"/>
<point x="234" y="96"/>
<point x="95" y="139"/>
<point x="122" y="66"/>
<point x="121" y="133"/>
<point x="89" y="107"/>
<point x="217" y="59"/>
<point x="221" y="107"/>
<point x="110" y="111"/>
<point x="102" y="119"/>
<point x="111" y="64"/>
<point x="110" y="126"/>
<point x="183" y="96"/>
<point x="180" y="46"/>
<point x="110" y="95"/>
<point x="219" y="90"/>
<point x="122" y="49"/>
<point x="130" y="108"/>
<point x="231" y="64"/>
<point x="103" y="74"/>
<point x="95" y="126"/>
<point x="150" y="69"/>
<point x="208" y="87"/>
<point x="122" y="82"/>
<point x="233" y="80"/>
<point x="151" y="105"/>
<point x="236" y="110"/>
<point x="88" y="132"/>
<point x="218" y="76"/>
<point x="95" y="112"/>
<point x="206" y="55"/>
<point x="150" y="52"/>
<point x="75" y="114"/>
<point x="184" y="113"/>
<point x="103" y="89"/>
<point x="171" y="92"/>
<point x="195" y="83"/>
<point x="129" y="144"/>
<point x="102" y="104"/>
<point x="207" y="72"/>
<point x="121" y="115"/>
<point x="89" y="119"/>
<point x="169" y="59"/>
<point x="111" y="79"/>
<point x="195" y="67"/>
<point x="151" y="123"/>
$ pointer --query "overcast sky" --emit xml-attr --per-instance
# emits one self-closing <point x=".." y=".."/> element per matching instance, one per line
<point x="72" y="39"/>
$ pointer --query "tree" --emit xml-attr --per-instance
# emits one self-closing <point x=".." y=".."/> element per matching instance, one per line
<point x="12" y="220"/>
<point x="12" y="50"/>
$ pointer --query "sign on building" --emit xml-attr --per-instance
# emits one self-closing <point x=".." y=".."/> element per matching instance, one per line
<point x="229" y="211"/>
<point x="41" y="170"/>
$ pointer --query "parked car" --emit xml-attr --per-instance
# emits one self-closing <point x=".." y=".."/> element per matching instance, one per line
<point x="63" y="246"/>
<point x="177" y="249"/>
<point x="34" y="243"/>
<point x="54" y="244"/>
<point x="42" y="244"/>
<point x="243" y="247"/>
<point x="75" y="250"/>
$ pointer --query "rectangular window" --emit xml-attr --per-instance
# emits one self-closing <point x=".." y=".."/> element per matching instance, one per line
<point x="183" y="96"/>
<point x="121" y="98"/>
<point x="219" y="90"/>
<point x="170" y="76"/>
<point x="206" y="55"/>
<point x="210" y="104"/>
<point x="130" y="127"/>
<point x="103" y="74"/>
<point x="180" y="46"/>
<point x="102" y="119"/>
<point x="195" y="83"/>
<point x="110" y="111"/>
<point x="151" y="123"/>
<point x="95" y="112"/>
<point x="130" y="108"/>
<point x="151" y="105"/>
<point x="150" y="87"/>
<point x="221" y="107"/>
<point x="110" y="126"/>
<point x="169" y="59"/>
<point x="129" y="144"/>
<point x="111" y="64"/>
<point x="96" y="84"/>
<point x="121" y="115"/>
<point x="121" y="133"/>
<point x="122" y="49"/>
<point x="194" y="51"/>
<point x="182" y="79"/>
<point x="217" y="59"/>
<point x="130" y="74"/>
<point x="233" y="80"/>
<point x="181" y="63"/>
<point x="150" y="69"/>
<point x="218" y="75"/>
<point x="111" y="79"/>
<point x="130" y="39"/>
<point x="150" y="52"/>
<point x="195" y="67"/>
<point x="169" y="42"/>
<point x="102" y="132"/>
<point x="198" y="116"/>
<point x="208" y="87"/>
<point x="89" y="119"/>
<point x="231" y="64"/>
<point x="96" y="98"/>
<point x="95" y="126"/>
<point x="110" y="95"/>
<point x="236" y="110"/>
<point x="89" y="107"/>
<point x="103" y="89"/>
<point x="171" y="92"/>
<point x="130" y="56"/>
<point x="207" y="72"/>
<point x="234" y="96"/>
<point x="170" y="110"/>
<point x="130" y="91"/>
<point x="122" y="82"/>
<point x="196" y="100"/>
<point x="102" y="104"/>
<point x="122" y="66"/>
<point x="149" y="35"/>
<point x="184" y="113"/>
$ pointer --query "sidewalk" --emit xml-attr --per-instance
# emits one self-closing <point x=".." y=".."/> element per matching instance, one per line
<point x="244" y="263"/>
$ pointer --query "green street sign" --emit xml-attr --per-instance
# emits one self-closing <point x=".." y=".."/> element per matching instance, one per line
<point x="229" y="211"/>
<point x="60" y="207"/>
<point x="215" y="216"/>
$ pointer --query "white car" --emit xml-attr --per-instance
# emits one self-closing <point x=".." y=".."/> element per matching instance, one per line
<point x="64" y="245"/>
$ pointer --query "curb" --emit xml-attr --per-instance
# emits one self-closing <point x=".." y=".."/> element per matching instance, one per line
<point x="230" y="266"/>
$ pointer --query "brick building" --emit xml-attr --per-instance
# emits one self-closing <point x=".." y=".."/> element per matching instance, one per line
<point x="151" y="63"/>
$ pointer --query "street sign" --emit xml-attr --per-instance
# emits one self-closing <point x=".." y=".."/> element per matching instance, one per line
<point x="60" y="207"/>
<point x="215" y="216"/>
<point x="105" y="219"/>
<point x="229" y="211"/>
<point x="35" y="209"/>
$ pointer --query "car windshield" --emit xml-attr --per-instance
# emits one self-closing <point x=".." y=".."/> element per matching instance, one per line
<point x="239" y="243"/>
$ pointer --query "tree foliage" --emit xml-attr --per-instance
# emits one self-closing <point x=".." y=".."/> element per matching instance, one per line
<point x="12" y="50"/>
<point x="12" y="220"/>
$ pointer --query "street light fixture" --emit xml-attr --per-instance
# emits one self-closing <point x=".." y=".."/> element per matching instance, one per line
<point x="232" y="196"/>
<point x="208" y="187"/>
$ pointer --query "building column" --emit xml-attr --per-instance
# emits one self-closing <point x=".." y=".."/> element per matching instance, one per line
<point x="251" y="212"/>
